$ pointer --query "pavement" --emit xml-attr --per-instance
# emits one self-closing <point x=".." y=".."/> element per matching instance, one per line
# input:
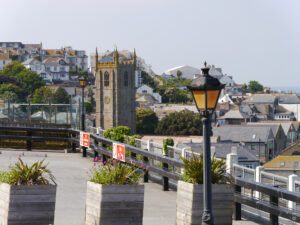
<point x="71" y="172"/>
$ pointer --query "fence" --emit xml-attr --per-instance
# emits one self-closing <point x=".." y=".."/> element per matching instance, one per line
<point x="41" y="113"/>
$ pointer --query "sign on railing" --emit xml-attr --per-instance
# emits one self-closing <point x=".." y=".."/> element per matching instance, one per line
<point x="119" y="152"/>
<point x="85" y="139"/>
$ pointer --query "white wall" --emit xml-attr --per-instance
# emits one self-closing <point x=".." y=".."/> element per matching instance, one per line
<point x="295" y="108"/>
<point x="145" y="89"/>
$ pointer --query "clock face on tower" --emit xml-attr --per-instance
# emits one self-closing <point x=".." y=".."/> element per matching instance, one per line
<point x="106" y="100"/>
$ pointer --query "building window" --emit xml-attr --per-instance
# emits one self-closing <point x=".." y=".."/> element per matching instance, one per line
<point x="126" y="79"/>
<point x="252" y="146"/>
<point x="282" y="163"/>
<point x="106" y="79"/>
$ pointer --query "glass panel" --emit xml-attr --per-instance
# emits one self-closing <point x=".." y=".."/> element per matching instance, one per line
<point x="212" y="98"/>
<point x="199" y="97"/>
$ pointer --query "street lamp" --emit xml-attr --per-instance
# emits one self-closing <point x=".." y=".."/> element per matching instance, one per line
<point x="206" y="91"/>
<point x="82" y="82"/>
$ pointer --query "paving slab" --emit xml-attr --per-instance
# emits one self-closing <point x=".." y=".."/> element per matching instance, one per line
<point x="71" y="172"/>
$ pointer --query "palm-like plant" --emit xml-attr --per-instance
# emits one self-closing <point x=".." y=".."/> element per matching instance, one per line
<point x="193" y="170"/>
<point x="36" y="174"/>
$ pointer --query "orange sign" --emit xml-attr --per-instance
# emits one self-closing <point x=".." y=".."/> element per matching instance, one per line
<point x="85" y="139"/>
<point x="119" y="152"/>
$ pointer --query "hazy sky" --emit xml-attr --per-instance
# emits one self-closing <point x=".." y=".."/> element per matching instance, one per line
<point x="249" y="39"/>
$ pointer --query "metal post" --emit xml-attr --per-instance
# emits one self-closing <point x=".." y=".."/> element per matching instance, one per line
<point x="207" y="216"/>
<point x="28" y="141"/>
<point x="83" y="121"/>
<point x="29" y="111"/>
<point x="165" y="179"/>
<point x="237" y="214"/>
<point x="274" y="218"/>
<point x="13" y="113"/>
<point x="50" y="110"/>
<point x="71" y="114"/>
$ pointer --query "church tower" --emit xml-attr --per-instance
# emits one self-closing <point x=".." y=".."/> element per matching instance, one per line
<point x="115" y="91"/>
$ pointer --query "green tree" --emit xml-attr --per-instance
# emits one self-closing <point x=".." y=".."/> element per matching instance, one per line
<point x="61" y="96"/>
<point x="29" y="80"/>
<point x="178" y="74"/>
<point x="42" y="94"/>
<point x="180" y="123"/>
<point x="148" y="80"/>
<point x="88" y="107"/>
<point x="12" y="91"/>
<point x="146" y="121"/>
<point x="118" y="133"/>
<point x="254" y="86"/>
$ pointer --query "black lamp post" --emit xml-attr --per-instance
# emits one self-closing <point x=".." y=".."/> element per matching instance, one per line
<point x="206" y="91"/>
<point x="82" y="82"/>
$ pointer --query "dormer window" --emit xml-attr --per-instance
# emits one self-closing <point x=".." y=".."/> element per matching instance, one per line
<point x="61" y="62"/>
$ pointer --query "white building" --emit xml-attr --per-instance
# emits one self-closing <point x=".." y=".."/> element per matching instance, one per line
<point x="144" y="89"/>
<point x="188" y="72"/>
<point x="57" y="68"/>
<point x="4" y="59"/>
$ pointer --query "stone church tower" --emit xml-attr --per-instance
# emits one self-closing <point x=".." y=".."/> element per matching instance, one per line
<point x="115" y="91"/>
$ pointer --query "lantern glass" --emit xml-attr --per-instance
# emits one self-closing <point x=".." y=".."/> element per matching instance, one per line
<point x="82" y="82"/>
<point x="212" y="98"/>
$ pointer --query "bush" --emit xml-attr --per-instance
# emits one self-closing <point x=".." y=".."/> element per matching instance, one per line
<point x="88" y="107"/>
<point x="193" y="170"/>
<point x="146" y="121"/>
<point x="167" y="142"/>
<point x="118" y="133"/>
<point x="22" y="174"/>
<point x="115" y="173"/>
<point x="180" y="123"/>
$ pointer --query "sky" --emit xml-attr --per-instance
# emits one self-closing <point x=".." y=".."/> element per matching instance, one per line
<point x="249" y="39"/>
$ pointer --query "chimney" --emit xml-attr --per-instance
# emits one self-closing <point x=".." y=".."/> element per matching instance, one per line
<point x="234" y="149"/>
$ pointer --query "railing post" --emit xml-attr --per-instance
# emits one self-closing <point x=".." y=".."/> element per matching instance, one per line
<point x="146" y="175"/>
<point x="257" y="178"/>
<point x="274" y="218"/>
<point x="28" y="142"/>
<point x="237" y="214"/>
<point x="73" y="135"/>
<point x="231" y="159"/>
<point x="165" y="179"/>
<point x="291" y="187"/>
<point x="96" y="154"/>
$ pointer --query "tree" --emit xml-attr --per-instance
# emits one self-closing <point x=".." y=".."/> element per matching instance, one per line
<point x="179" y="74"/>
<point x="88" y="107"/>
<point x="28" y="79"/>
<point x="61" y="96"/>
<point x="118" y="133"/>
<point x="148" y="80"/>
<point x="180" y="123"/>
<point x="42" y="94"/>
<point x="146" y="121"/>
<point x="12" y="91"/>
<point x="254" y="86"/>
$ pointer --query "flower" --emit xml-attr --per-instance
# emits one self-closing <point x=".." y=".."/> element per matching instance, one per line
<point x="9" y="167"/>
<point x="19" y="156"/>
<point x="96" y="159"/>
<point x="114" y="162"/>
<point x="94" y="164"/>
<point x="147" y="167"/>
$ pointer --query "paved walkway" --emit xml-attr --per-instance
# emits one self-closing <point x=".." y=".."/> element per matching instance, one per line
<point x="71" y="172"/>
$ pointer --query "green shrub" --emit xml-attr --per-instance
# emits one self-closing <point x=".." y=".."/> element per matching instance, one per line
<point x="167" y="142"/>
<point x="22" y="174"/>
<point x="132" y="140"/>
<point x="193" y="170"/>
<point x="116" y="173"/>
<point x="118" y="133"/>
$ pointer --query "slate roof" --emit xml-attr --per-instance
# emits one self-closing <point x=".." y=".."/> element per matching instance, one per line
<point x="284" y="163"/>
<point x="285" y="126"/>
<point x="242" y="133"/>
<point x="274" y="127"/>
<point x="223" y="149"/>
<point x="289" y="99"/>
<point x="234" y="114"/>
<point x="261" y="98"/>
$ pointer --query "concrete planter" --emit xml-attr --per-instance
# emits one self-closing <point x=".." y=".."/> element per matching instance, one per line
<point x="34" y="205"/>
<point x="190" y="203"/>
<point x="114" y="204"/>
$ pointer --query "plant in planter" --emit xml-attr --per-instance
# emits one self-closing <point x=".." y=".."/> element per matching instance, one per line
<point x="190" y="192"/>
<point x="27" y="195"/>
<point x="114" y="195"/>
